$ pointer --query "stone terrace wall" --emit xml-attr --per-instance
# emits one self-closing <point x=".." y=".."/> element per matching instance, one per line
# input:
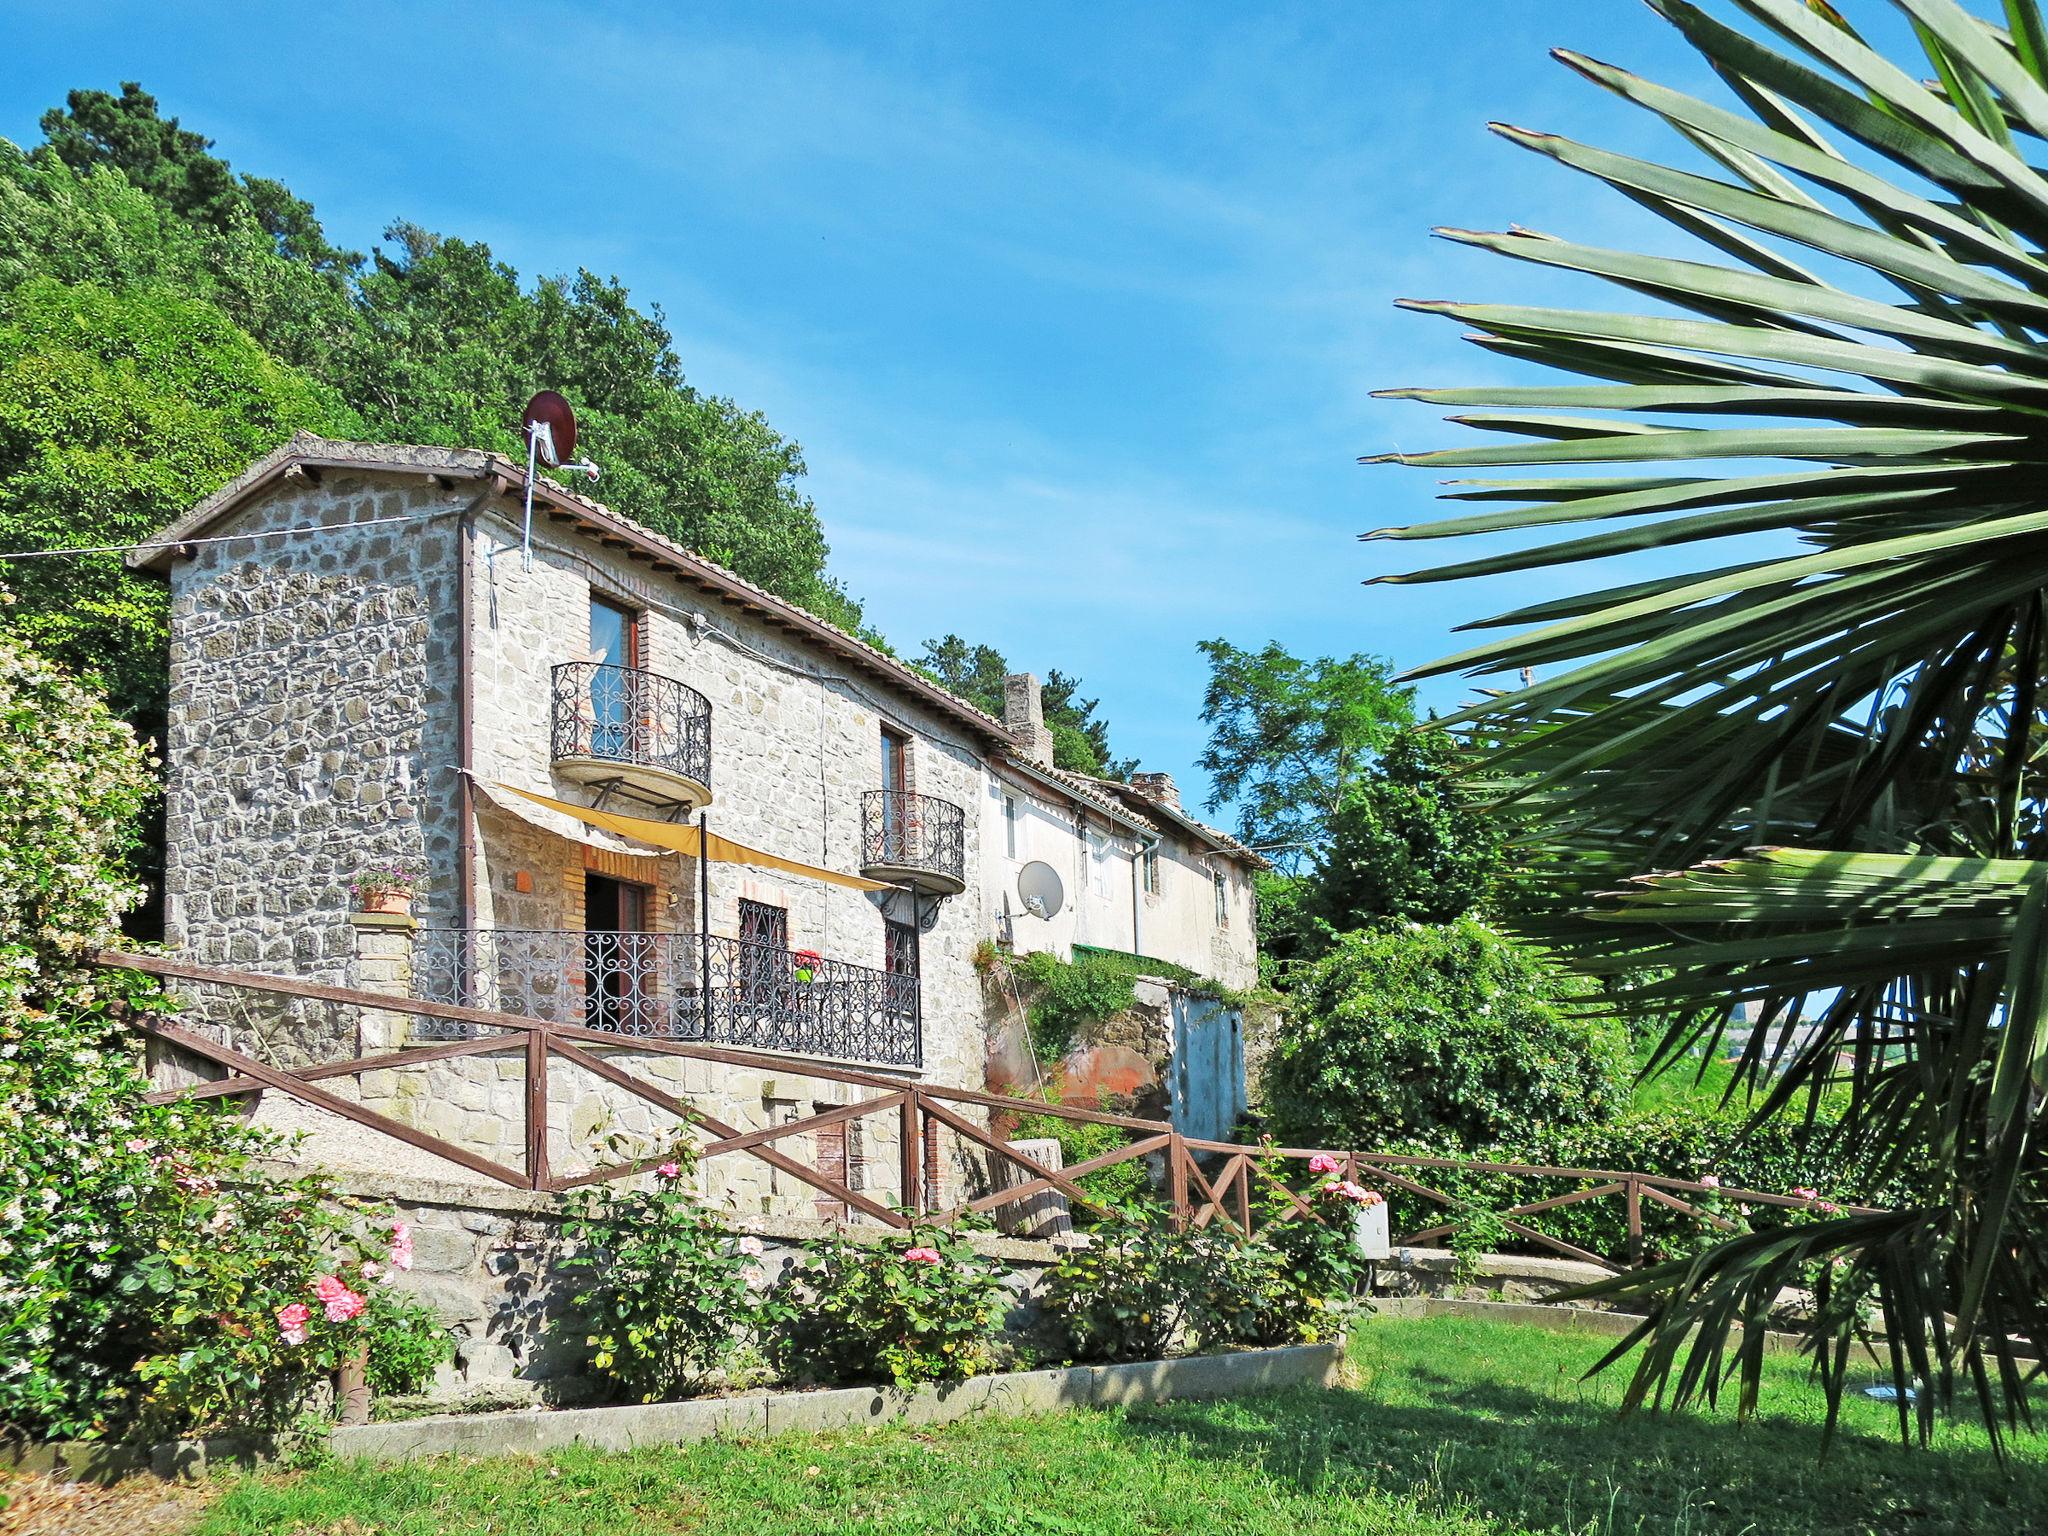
<point x="488" y="1264"/>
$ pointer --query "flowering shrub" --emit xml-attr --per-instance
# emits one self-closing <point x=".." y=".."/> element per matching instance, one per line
<point x="1142" y="1288"/>
<point x="671" y="1291"/>
<point x="1133" y="1291"/>
<point x="922" y="1306"/>
<point x="79" y="1150"/>
<point x="144" y="1261"/>
<point x="250" y="1293"/>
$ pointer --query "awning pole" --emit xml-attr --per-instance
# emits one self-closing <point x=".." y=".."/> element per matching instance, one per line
<point x="704" y="913"/>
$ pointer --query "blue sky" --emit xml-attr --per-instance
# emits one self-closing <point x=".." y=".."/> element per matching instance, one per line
<point x="1074" y="310"/>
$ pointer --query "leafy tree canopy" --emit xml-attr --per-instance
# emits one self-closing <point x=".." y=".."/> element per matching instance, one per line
<point x="1445" y="1032"/>
<point x="118" y="410"/>
<point x="1290" y="740"/>
<point x="428" y="339"/>
<point x="1406" y="847"/>
<point x="176" y="167"/>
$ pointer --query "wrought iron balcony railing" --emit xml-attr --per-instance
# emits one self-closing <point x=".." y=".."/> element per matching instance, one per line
<point x="652" y="986"/>
<point x="915" y="838"/>
<point x="621" y="717"/>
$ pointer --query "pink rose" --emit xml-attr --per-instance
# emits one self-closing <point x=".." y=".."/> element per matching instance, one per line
<point x="669" y="1171"/>
<point x="344" y="1307"/>
<point x="1827" y="1207"/>
<point x="329" y="1288"/>
<point x="372" y="1269"/>
<point x="923" y="1256"/>
<point x="1323" y="1162"/>
<point x="138" y="1145"/>
<point x="401" y="1246"/>
<point x="1710" y="1181"/>
<point x="752" y="1247"/>
<point x="1803" y="1193"/>
<point x="292" y="1320"/>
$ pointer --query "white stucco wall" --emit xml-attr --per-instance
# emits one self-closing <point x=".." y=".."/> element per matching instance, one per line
<point x="1095" y="858"/>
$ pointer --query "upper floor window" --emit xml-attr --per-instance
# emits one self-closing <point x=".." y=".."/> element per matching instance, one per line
<point x="895" y="760"/>
<point x="614" y="633"/>
<point x="1148" y="870"/>
<point x="1010" y="825"/>
<point x="1222" y="884"/>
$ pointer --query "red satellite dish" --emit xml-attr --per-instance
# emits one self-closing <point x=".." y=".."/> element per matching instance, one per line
<point x="557" y="440"/>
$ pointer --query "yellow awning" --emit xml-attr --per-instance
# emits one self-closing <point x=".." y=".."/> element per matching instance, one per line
<point x="680" y="837"/>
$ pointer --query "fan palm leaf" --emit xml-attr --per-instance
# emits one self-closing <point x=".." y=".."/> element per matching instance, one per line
<point x="1807" y="772"/>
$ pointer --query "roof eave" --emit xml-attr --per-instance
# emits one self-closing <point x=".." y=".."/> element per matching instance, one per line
<point x="303" y="453"/>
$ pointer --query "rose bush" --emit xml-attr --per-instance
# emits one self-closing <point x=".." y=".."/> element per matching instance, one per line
<point x="144" y="1256"/>
<point x="671" y="1290"/>
<point x="920" y="1306"/>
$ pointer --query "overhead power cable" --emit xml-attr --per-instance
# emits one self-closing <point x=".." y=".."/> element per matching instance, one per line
<point x="218" y="538"/>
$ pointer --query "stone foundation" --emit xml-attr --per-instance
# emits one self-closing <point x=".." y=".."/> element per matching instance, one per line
<point x="489" y="1265"/>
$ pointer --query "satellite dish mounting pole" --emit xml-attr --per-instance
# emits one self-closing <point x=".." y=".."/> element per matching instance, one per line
<point x="535" y="431"/>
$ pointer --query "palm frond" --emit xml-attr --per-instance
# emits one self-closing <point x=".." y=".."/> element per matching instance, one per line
<point x="1807" y="774"/>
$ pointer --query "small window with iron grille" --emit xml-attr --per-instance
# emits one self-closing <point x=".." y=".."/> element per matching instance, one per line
<point x="763" y="924"/>
<point x="1222" y="882"/>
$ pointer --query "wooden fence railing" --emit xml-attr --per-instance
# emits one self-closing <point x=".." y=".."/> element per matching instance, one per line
<point x="1205" y="1181"/>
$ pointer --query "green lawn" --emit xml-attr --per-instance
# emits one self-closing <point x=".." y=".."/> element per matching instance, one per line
<point x="1454" y="1428"/>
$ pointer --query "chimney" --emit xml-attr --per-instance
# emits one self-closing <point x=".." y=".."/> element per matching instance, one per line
<point x="1024" y="717"/>
<point x="1157" y="786"/>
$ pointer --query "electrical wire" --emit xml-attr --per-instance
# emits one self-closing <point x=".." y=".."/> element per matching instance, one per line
<point x="218" y="538"/>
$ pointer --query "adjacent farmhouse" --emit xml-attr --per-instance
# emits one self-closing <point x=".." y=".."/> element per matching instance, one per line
<point x="636" y="794"/>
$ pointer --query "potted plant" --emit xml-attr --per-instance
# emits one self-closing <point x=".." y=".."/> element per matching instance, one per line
<point x="386" y="888"/>
<point x="805" y="963"/>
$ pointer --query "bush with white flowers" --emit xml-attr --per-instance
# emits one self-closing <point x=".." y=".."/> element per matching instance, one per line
<point x="151" y="1280"/>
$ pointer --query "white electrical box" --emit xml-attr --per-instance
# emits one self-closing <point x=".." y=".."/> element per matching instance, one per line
<point x="1373" y="1233"/>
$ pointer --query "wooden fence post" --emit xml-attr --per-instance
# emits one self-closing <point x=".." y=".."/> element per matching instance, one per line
<point x="1635" y="1223"/>
<point x="910" y="1154"/>
<point x="1177" y="1178"/>
<point x="537" y="1109"/>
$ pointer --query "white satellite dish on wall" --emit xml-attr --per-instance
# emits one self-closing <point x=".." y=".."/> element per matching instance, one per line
<point x="1038" y="886"/>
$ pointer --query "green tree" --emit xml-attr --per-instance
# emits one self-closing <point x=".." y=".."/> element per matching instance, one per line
<point x="1406" y="847"/>
<point x="433" y="341"/>
<point x="1290" y="740"/>
<point x="1838" y="726"/>
<point x="1080" y="737"/>
<point x="1447" y="1033"/>
<point x="177" y="168"/>
<point x="118" y="411"/>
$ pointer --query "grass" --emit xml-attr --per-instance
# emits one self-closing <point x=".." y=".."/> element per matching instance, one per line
<point x="1454" y="1427"/>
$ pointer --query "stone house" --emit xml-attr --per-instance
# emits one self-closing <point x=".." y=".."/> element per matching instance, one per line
<point x="641" y="794"/>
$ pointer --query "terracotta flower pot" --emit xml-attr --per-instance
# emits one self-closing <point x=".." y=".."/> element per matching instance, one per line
<point x="391" y="899"/>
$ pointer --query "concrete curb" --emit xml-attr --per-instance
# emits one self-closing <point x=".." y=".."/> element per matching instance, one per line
<point x="1011" y="1394"/>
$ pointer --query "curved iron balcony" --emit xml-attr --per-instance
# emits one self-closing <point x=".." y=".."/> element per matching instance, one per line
<point x="913" y="840"/>
<point x="636" y="731"/>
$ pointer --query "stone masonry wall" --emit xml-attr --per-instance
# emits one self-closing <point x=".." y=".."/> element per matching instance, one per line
<point x="311" y="721"/>
<point x="488" y="1264"/>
